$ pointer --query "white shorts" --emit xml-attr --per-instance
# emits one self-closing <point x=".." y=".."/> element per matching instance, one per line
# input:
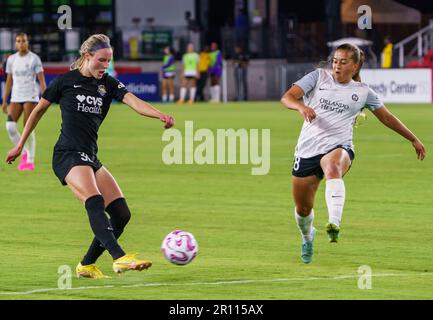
<point x="192" y="74"/>
<point x="32" y="100"/>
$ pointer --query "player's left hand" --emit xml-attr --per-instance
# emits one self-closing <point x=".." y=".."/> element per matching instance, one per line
<point x="419" y="148"/>
<point x="5" y="107"/>
<point x="13" y="154"/>
<point x="169" y="120"/>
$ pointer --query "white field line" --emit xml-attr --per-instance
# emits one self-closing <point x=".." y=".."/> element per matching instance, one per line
<point x="216" y="283"/>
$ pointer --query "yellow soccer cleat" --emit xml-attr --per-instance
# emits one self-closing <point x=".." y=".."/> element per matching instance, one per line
<point x="89" y="271"/>
<point x="333" y="231"/>
<point x="130" y="262"/>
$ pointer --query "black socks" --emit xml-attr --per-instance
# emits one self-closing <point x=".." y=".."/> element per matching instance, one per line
<point x="119" y="218"/>
<point x="101" y="227"/>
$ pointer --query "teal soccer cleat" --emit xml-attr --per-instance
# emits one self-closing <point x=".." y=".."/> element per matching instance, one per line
<point x="307" y="249"/>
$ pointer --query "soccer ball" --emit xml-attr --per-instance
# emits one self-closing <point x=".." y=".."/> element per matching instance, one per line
<point x="179" y="247"/>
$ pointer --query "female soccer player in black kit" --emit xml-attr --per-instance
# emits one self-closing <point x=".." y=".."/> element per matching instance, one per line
<point x="85" y="94"/>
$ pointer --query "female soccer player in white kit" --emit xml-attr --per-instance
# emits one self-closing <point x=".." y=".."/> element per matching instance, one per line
<point x="22" y="68"/>
<point x="332" y="101"/>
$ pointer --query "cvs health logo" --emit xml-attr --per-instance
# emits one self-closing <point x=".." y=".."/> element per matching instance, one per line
<point x="89" y="104"/>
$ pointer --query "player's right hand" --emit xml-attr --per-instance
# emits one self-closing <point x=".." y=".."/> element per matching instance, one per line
<point x="308" y="113"/>
<point x="5" y="107"/>
<point x="419" y="149"/>
<point x="168" y="120"/>
<point x="13" y="154"/>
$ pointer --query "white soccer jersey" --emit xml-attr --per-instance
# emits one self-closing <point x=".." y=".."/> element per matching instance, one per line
<point x="24" y="70"/>
<point x="336" y="106"/>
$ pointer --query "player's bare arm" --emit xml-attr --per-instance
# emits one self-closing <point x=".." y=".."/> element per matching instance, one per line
<point x="42" y="82"/>
<point x="8" y="88"/>
<point x="291" y="100"/>
<point x="392" y="122"/>
<point x="147" y="110"/>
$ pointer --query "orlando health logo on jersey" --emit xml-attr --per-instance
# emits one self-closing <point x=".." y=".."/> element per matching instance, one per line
<point x="327" y="104"/>
<point x="89" y="104"/>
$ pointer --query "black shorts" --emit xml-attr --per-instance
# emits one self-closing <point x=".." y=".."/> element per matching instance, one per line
<point x="305" y="167"/>
<point x="65" y="160"/>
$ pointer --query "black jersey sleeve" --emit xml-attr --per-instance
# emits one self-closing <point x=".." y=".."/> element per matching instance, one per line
<point x="53" y="92"/>
<point x="116" y="88"/>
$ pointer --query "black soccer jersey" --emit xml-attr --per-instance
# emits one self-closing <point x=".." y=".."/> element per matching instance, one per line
<point x="84" y="103"/>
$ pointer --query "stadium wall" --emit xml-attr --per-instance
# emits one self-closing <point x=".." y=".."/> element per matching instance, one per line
<point x="400" y="85"/>
<point x="165" y="12"/>
<point x="269" y="79"/>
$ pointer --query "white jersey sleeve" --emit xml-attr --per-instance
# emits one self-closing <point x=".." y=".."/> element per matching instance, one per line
<point x="373" y="101"/>
<point x="308" y="82"/>
<point x="37" y="65"/>
<point x="9" y="62"/>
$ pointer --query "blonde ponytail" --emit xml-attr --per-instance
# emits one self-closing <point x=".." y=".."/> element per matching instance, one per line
<point x="77" y="63"/>
<point x="92" y="44"/>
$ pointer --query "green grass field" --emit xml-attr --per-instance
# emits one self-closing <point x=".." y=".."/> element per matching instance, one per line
<point x="249" y="243"/>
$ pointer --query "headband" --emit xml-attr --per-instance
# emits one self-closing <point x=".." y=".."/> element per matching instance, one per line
<point x="100" y="45"/>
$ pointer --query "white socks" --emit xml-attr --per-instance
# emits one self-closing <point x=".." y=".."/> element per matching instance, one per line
<point x="168" y="98"/>
<point x="14" y="135"/>
<point x="31" y="148"/>
<point x="335" y="195"/>
<point x="182" y="94"/>
<point x="192" y="92"/>
<point x="305" y="225"/>
<point x="218" y="93"/>
<point x="215" y="93"/>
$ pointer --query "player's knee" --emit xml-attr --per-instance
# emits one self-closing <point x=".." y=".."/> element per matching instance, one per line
<point x="333" y="171"/>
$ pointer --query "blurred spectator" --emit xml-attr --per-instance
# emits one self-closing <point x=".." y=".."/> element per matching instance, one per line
<point x="191" y="24"/>
<point x="192" y="32"/>
<point x="215" y="72"/>
<point x="168" y="73"/>
<point x="386" y="58"/>
<point x="241" y="28"/>
<point x="190" y="73"/>
<point x="150" y="23"/>
<point x="203" y="68"/>
<point x="240" y="62"/>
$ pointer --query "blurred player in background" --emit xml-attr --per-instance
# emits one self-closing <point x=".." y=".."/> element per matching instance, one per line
<point x="386" y="54"/>
<point x="203" y="68"/>
<point x="85" y="94"/>
<point x="168" y="73"/>
<point x="240" y="62"/>
<point x="215" y="72"/>
<point x="22" y="69"/>
<point x="190" y="73"/>
<point x="332" y="100"/>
